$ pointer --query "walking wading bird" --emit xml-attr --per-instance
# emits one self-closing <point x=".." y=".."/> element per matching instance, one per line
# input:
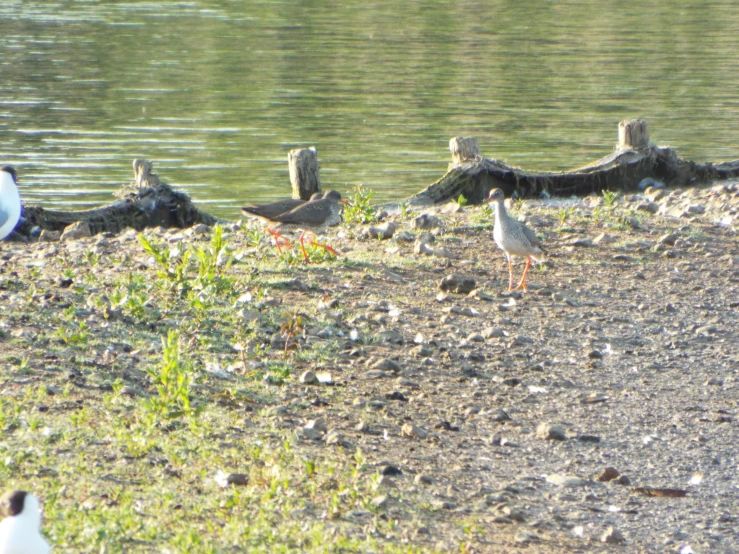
<point x="10" y="201"/>
<point x="514" y="238"/>
<point x="266" y="212"/>
<point x="310" y="218"/>
<point x="20" y="530"/>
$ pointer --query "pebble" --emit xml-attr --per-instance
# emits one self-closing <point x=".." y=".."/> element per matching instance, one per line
<point x="524" y="537"/>
<point x="49" y="236"/>
<point x="427" y="221"/>
<point x="608" y="474"/>
<point x="382" y="232"/>
<point x="413" y="431"/>
<point x="569" y="481"/>
<point x="612" y="536"/>
<point x="385" y="364"/>
<point x="493" y="332"/>
<point x="460" y="284"/>
<point x="499" y="415"/>
<point x="550" y="431"/>
<point x="423" y="479"/>
<point x="309" y="378"/>
<point x="76" y="231"/>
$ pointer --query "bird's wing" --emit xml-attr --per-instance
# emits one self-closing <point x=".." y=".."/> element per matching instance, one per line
<point x="532" y="238"/>
<point x="312" y="213"/>
<point x="4" y="215"/>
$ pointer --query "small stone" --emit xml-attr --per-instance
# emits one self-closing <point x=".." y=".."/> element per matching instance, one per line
<point x="363" y="427"/>
<point x="427" y="221"/>
<point x="623" y="480"/>
<point x="524" y="537"/>
<point x="586" y="243"/>
<point x="460" y="284"/>
<point x="588" y="438"/>
<point x="706" y="330"/>
<point x="382" y="232"/>
<point x="76" y="231"/>
<point x="513" y="513"/>
<point x="649" y="207"/>
<point x="386" y="364"/>
<point x="413" y="431"/>
<point x="604" y="238"/>
<point x="612" y="536"/>
<point x="309" y="434"/>
<point x="569" y="481"/>
<point x="423" y="479"/>
<point x="318" y="423"/>
<point x="49" y="236"/>
<point x="237" y="479"/>
<point x="608" y="474"/>
<point x="595" y="355"/>
<point x="668" y="239"/>
<point x="500" y="415"/>
<point x="390" y="470"/>
<point x="200" y="229"/>
<point x="713" y="382"/>
<point x="379" y="501"/>
<point x="421" y="351"/>
<point x="480" y="295"/>
<point x="493" y="332"/>
<point x="309" y="378"/>
<point x="550" y="431"/>
<point x="475" y="337"/>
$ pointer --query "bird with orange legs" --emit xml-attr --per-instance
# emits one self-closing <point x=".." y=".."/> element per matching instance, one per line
<point x="514" y="238"/>
<point x="309" y="217"/>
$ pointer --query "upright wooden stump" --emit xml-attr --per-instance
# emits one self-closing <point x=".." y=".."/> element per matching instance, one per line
<point x="143" y="175"/>
<point x="633" y="134"/>
<point x="303" y="163"/>
<point x="463" y="149"/>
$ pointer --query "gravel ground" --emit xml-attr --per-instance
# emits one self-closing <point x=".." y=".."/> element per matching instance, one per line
<point x="493" y="417"/>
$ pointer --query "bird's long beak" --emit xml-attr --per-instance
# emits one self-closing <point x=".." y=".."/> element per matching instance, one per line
<point x="344" y="202"/>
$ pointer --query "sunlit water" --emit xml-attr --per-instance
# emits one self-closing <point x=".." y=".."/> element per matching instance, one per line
<point x="217" y="93"/>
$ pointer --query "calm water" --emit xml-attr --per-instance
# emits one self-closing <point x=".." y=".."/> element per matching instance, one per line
<point x="216" y="93"/>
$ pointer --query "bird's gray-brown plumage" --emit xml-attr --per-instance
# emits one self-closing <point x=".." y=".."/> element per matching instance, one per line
<point x="325" y="212"/>
<point x="310" y="217"/>
<point x="514" y="238"/>
<point x="266" y="212"/>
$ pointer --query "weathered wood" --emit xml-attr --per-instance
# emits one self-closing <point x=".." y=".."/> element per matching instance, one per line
<point x="635" y="158"/>
<point x="633" y="133"/>
<point x="141" y="206"/>
<point x="463" y="149"/>
<point x="143" y="176"/>
<point x="303" y="164"/>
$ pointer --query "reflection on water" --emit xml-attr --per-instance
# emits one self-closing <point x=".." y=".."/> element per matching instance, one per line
<point x="216" y="93"/>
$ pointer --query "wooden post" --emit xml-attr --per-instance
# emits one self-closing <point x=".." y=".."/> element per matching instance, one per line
<point x="143" y="175"/>
<point x="633" y="134"/>
<point x="303" y="163"/>
<point x="463" y="149"/>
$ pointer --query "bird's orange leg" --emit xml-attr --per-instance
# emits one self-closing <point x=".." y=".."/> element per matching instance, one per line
<point x="314" y="242"/>
<point x="522" y="284"/>
<point x="278" y="238"/>
<point x="302" y="247"/>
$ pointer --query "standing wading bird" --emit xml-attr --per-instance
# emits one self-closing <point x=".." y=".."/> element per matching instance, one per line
<point x="514" y="238"/>
<point x="266" y="212"/>
<point x="20" y="531"/>
<point x="310" y="218"/>
<point x="10" y="201"/>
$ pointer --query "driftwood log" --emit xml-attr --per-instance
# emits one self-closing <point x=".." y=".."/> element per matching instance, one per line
<point x="303" y="165"/>
<point x="635" y="158"/>
<point x="148" y="203"/>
